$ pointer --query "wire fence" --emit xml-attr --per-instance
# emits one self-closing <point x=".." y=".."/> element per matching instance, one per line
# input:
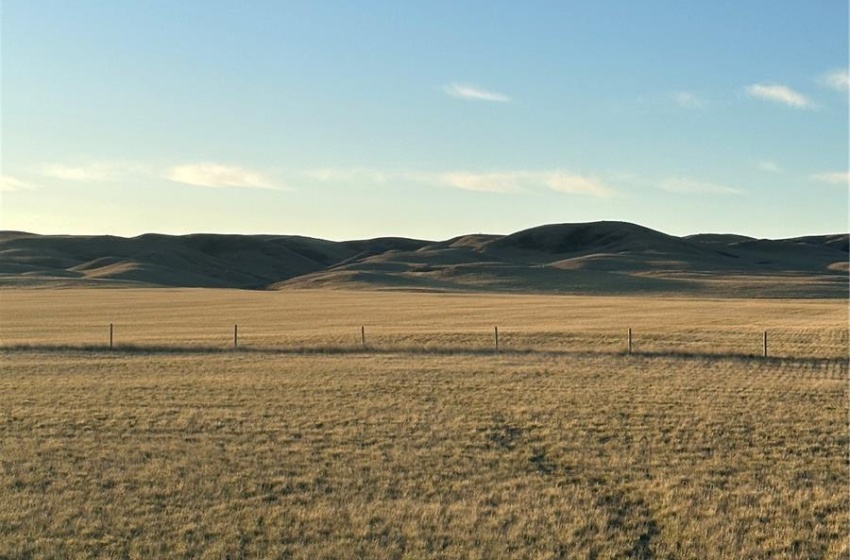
<point x="774" y="343"/>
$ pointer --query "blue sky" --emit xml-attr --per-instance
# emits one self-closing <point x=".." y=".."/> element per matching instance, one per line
<point x="429" y="119"/>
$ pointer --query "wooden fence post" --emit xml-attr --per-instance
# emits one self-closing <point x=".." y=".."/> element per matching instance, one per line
<point x="764" y="344"/>
<point x="363" y="337"/>
<point x="496" y="332"/>
<point x="235" y="337"/>
<point x="110" y="336"/>
<point x="630" y="341"/>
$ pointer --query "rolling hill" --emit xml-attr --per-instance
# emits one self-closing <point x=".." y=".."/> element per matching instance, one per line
<point x="598" y="257"/>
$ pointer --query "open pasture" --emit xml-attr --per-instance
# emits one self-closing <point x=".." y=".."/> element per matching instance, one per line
<point x="198" y="318"/>
<point x="253" y="455"/>
<point x="434" y="446"/>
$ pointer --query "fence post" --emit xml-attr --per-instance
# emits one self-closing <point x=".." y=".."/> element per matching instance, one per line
<point x="496" y="332"/>
<point x="630" y="341"/>
<point x="235" y="337"/>
<point x="110" y="336"/>
<point x="764" y="344"/>
<point x="363" y="337"/>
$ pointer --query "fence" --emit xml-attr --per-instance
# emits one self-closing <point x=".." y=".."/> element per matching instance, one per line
<point x="775" y="343"/>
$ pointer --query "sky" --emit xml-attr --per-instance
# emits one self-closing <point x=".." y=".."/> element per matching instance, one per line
<point x="425" y="119"/>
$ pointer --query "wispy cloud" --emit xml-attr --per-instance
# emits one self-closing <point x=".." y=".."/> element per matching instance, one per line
<point x="216" y="175"/>
<point x="475" y="93"/>
<point x="100" y="171"/>
<point x="682" y="185"/>
<point x="524" y="181"/>
<point x="779" y="94"/>
<point x="688" y="100"/>
<point x="361" y="175"/>
<point x="94" y="172"/>
<point x="501" y="182"/>
<point x="833" y="177"/>
<point x="204" y="174"/>
<point x="481" y="182"/>
<point x="570" y="183"/>
<point x="837" y="79"/>
<point x="769" y="166"/>
<point x="9" y="184"/>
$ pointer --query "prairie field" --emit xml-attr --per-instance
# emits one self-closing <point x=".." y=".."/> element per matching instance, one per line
<point x="332" y="320"/>
<point x="426" y="443"/>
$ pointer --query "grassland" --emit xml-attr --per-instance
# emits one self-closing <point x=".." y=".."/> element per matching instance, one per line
<point x="393" y="454"/>
<point x="228" y="455"/>
<point x="199" y="318"/>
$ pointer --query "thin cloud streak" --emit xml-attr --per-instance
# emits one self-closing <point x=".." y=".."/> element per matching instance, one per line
<point x="216" y="175"/>
<point x="12" y="184"/>
<point x="769" y="166"/>
<point x="688" y="100"/>
<point x="833" y="177"/>
<point x="682" y="185"/>
<point x="331" y="175"/>
<point x="525" y="181"/>
<point x="203" y="174"/>
<point x="103" y="171"/>
<point x="779" y="94"/>
<point x="498" y="182"/>
<point x="505" y="183"/>
<point x="569" y="183"/>
<point x="474" y="93"/>
<point x="96" y="172"/>
<point x="837" y="79"/>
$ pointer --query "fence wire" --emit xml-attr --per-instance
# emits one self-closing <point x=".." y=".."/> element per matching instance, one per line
<point x="781" y="342"/>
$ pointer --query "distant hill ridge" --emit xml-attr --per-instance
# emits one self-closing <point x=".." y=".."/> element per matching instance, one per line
<point x="597" y="257"/>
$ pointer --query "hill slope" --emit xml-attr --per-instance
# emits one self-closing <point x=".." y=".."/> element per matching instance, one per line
<point x="609" y="257"/>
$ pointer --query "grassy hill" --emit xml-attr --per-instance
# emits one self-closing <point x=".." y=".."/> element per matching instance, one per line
<point x="599" y="257"/>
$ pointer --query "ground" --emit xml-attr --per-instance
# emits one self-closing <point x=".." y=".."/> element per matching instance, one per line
<point x="449" y="450"/>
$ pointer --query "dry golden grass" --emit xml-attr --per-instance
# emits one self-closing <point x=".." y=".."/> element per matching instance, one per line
<point x="122" y="455"/>
<point x="291" y="319"/>
<point x="401" y="454"/>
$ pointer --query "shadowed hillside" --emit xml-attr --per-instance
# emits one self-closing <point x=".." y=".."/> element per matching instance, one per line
<point x="600" y="257"/>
